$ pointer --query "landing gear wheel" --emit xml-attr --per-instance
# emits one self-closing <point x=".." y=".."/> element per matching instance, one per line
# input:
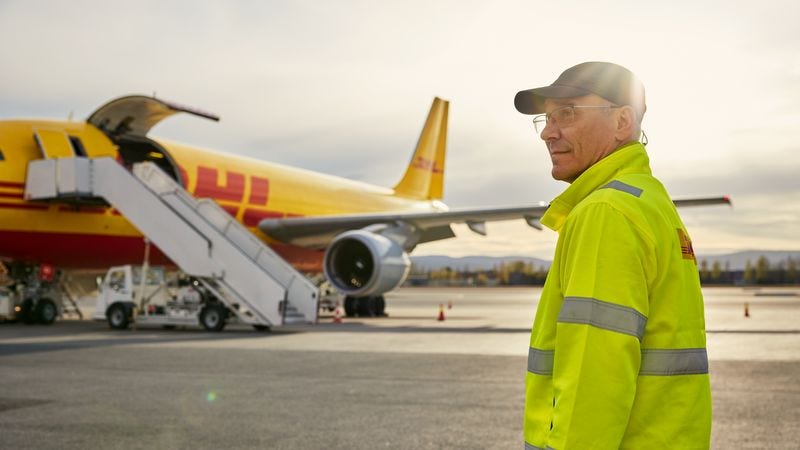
<point x="380" y="306"/>
<point x="212" y="317"/>
<point x="118" y="317"/>
<point x="46" y="311"/>
<point x="364" y="307"/>
<point x="350" y="306"/>
<point x="27" y="315"/>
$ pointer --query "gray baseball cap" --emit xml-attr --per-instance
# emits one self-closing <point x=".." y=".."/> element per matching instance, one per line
<point x="610" y="81"/>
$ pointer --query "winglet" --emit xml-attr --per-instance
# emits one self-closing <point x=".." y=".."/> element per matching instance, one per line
<point x="424" y="177"/>
<point x="702" y="201"/>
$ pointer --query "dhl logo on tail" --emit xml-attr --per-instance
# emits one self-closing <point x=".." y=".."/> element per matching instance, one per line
<point x="424" y="178"/>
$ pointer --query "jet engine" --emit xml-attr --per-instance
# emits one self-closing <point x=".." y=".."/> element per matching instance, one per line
<point x="361" y="263"/>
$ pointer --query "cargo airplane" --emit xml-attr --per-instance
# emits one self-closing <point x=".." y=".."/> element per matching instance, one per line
<point x="359" y="235"/>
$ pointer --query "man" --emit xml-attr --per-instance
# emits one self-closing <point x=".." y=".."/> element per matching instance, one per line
<point x="617" y="355"/>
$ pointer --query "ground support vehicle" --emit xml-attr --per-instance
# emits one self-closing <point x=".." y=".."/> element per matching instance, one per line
<point x="35" y="294"/>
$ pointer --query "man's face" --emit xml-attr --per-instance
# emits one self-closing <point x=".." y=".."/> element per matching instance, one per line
<point x="576" y="147"/>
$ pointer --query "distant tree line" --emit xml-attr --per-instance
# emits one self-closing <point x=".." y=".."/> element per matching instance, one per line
<point x="521" y="273"/>
<point x="760" y="272"/>
<point x="513" y="273"/>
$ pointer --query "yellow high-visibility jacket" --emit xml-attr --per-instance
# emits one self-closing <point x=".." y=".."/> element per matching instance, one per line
<point x="617" y="357"/>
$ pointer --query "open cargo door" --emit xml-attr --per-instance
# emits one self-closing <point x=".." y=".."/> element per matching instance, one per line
<point x="135" y="115"/>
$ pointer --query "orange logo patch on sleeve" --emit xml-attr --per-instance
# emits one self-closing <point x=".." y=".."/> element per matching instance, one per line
<point x="687" y="252"/>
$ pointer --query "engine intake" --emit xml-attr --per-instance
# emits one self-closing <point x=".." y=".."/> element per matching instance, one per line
<point x="360" y="263"/>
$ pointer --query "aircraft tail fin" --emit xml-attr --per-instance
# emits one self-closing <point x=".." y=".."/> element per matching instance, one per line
<point x="424" y="177"/>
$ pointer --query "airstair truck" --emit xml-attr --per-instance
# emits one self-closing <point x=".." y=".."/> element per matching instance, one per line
<point x="239" y="272"/>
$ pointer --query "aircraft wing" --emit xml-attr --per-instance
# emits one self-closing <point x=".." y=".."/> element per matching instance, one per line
<point x="317" y="232"/>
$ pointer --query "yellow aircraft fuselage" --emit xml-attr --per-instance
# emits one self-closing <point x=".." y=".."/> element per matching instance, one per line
<point x="71" y="236"/>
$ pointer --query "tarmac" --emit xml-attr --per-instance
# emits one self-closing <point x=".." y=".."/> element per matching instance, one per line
<point x="403" y="381"/>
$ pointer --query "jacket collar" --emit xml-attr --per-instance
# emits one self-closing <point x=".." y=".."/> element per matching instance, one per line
<point x="630" y="158"/>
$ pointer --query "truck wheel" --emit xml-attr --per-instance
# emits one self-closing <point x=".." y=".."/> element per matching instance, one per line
<point x="118" y="318"/>
<point x="212" y="317"/>
<point x="27" y="315"/>
<point x="46" y="311"/>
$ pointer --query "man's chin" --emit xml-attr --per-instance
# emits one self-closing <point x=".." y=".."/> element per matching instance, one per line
<point x="562" y="176"/>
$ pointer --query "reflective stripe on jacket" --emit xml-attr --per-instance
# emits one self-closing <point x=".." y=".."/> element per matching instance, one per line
<point x="618" y="350"/>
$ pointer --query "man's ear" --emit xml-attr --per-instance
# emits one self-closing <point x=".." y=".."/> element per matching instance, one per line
<point x="626" y="121"/>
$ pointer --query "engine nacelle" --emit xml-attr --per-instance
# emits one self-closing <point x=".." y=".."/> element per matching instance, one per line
<point x="360" y="263"/>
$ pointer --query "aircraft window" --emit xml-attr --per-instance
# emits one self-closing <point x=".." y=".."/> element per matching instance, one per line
<point x="77" y="146"/>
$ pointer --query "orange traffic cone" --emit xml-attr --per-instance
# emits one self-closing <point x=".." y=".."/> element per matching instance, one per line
<point x="337" y="314"/>
<point x="746" y="309"/>
<point x="441" y="313"/>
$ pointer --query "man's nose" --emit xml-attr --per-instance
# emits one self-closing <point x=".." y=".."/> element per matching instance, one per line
<point x="550" y="131"/>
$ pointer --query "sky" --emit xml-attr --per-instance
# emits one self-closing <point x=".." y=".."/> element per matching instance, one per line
<point x="343" y="87"/>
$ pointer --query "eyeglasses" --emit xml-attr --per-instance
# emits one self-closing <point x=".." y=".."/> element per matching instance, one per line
<point x="563" y="116"/>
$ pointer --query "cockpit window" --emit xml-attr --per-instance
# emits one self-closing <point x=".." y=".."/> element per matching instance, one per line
<point x="77" y="146"/>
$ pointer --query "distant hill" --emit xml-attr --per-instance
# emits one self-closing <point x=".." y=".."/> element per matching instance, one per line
<point x="737" y="261"/>
<point x="434" y="262"/>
